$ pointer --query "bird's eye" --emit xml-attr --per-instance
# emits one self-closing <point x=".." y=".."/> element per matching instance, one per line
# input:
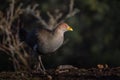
<point x="65" y="26"/>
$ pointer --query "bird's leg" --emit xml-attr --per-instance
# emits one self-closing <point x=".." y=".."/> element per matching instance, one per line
<point x="42" y="68"/>
<point x="40" y="65"/>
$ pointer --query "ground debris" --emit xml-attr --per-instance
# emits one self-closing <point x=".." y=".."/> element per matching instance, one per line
<point x="66" y="72"/>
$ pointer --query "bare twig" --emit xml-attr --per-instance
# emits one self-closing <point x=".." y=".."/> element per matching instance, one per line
<point x="41" y="20"/>
<point x="53" y="19"/>
<point x="71" y="6"/>
<point x="71" y="11"/>
<point x="11" y="43"/>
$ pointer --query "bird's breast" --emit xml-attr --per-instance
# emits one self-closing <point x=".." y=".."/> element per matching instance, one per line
<point x="50" y="44"/>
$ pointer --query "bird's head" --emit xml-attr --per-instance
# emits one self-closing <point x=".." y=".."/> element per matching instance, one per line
<point x="64" y="27"/>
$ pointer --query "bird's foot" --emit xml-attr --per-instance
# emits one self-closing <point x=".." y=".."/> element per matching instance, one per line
<point x="39" y="69"/>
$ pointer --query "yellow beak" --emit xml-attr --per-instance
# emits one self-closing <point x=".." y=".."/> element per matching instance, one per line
<point x="69" y="28"/>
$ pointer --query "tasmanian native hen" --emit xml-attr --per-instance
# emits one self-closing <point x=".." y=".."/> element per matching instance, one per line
<point x="45" y="41"/>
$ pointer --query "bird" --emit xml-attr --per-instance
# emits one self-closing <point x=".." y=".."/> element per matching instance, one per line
<point x="45" y="41"/>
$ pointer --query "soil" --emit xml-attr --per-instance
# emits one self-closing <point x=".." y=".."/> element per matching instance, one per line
<point x="65" y="72"/>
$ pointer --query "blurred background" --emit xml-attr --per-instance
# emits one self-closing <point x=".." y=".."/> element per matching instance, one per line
<point x="95" y="39"/>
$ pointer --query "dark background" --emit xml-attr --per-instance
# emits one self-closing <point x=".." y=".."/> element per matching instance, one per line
<point x="95" y="39"/>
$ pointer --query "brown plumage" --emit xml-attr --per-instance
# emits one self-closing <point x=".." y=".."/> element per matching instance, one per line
<point x="46" y="41"/>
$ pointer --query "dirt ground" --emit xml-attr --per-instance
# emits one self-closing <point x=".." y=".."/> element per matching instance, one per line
<point x="66" y="72"/>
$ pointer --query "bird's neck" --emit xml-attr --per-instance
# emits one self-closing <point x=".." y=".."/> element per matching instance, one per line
<point x="59" y="32"/>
